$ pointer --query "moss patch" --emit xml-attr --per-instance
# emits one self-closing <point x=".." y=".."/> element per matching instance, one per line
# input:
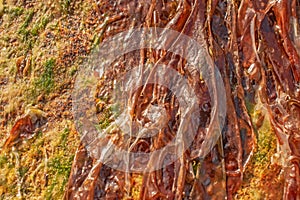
<point x="260" y="174"/>
<point x="45" y="82"/>
<point x="35" y="40"/>
<point x="40" y="166"/>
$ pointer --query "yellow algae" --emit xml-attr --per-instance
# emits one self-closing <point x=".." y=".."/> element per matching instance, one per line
<point x="261" y="174"/>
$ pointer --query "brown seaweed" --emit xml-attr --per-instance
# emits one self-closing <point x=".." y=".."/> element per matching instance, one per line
<point x="255" y="45"/>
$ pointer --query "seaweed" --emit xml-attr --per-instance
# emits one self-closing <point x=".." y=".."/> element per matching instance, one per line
<point x="255" y="46"/>
<point x="250" y="44"/>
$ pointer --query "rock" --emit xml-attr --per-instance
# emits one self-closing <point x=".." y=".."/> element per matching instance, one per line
<point x="22" y="126"/>
<point x="38" y="117"/>
<point x="20" y="63"/>
<point x="27" y="66"/>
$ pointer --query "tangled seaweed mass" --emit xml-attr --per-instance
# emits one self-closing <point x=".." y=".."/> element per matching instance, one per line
<point x="255" y="46"/>
<point x="166" y="118"/>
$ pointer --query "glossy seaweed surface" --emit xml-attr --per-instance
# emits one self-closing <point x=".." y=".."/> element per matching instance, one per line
<point x="254" y="44"/>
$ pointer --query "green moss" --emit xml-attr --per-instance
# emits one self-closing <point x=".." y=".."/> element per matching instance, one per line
<point x="24" y="34"/>
<point x="46" y="82"/>
<point x="64" y="137"/>
<point x="23" y="170"/>
<point x="65" y="5"/>
<point x="15" y="12"/>
<point x="260" y="163"/>
<point x="59" y="165"/>
<point x="250" y="106"/>
<point x="97" y="39"/>
<point x="104" y="120"/>
<point x="103" y="124"/>
<point x="40" y="25"/>
<point x="44" y="161"/>
<point x="59" y="168"/>
<point x="196" y="166"/>
<point x="32" y="167"/>
<point x="3" y="161"/>
<point x="115" y="109"/>
<point x="28" y="19"/>
<point x="35" y="30"/>
<point x="73" y="70"/>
